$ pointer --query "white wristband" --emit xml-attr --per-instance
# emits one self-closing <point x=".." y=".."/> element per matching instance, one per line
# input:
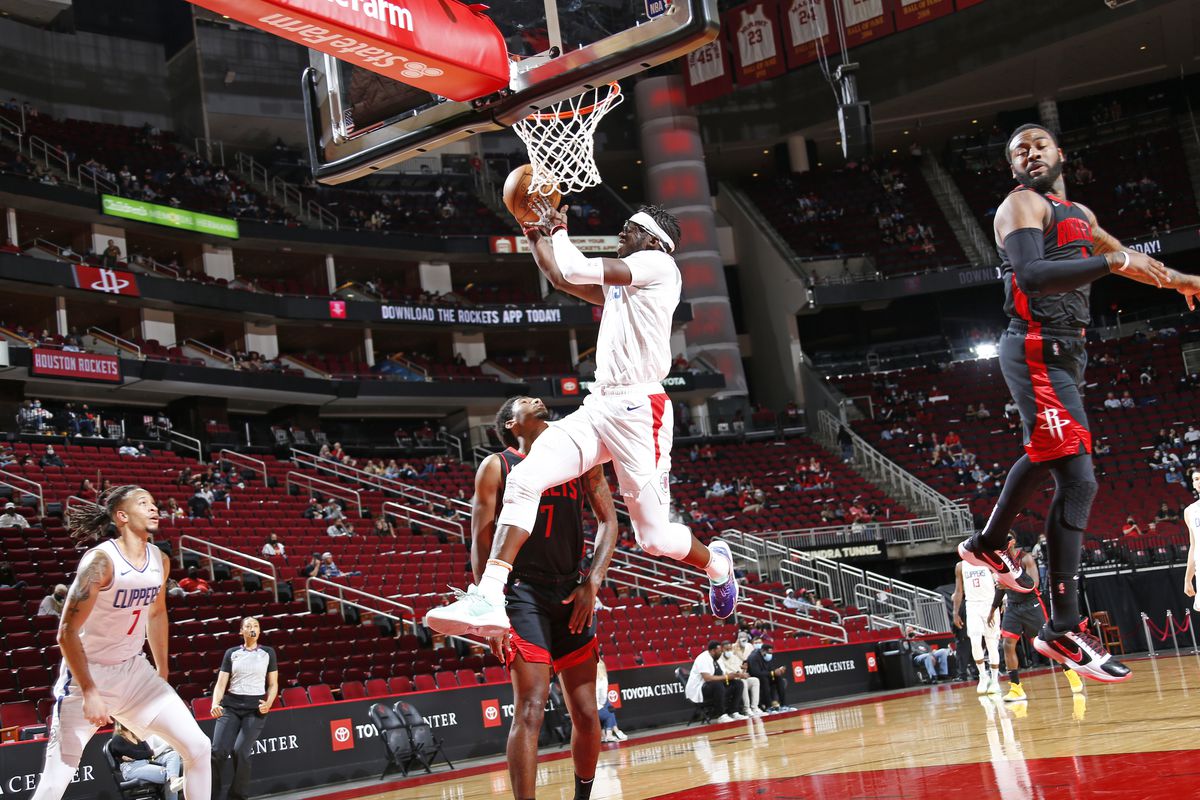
<point x="1125" y="262"/>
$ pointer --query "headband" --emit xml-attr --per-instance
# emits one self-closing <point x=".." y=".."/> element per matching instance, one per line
<point x="647" y="222"/>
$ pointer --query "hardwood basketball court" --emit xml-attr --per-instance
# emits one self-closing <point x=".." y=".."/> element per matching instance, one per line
<point x="1132" y="740"/>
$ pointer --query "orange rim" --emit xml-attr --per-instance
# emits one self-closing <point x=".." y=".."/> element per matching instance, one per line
<point x="542" y="116"/>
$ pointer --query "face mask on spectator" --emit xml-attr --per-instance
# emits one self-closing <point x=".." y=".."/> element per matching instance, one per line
<point x="768" y="656"/>
<point x="758" y="645"/>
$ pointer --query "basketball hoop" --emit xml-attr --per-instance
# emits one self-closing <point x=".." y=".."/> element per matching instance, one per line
<point x="561" y="140"/>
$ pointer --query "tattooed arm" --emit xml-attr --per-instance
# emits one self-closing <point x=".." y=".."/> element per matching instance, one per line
<point x="156" y="625"/>
<point x="95" y="573"/>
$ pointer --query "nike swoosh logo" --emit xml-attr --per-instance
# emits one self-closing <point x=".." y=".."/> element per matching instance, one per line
<point x="1075" y="655"/>
<point x="126" y="572"/>
<point x="634" y="408"/>
<point x="1056" y="205"/>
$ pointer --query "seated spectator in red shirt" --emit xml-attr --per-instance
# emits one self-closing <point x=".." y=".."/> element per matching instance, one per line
<point x="1131" y="528"/>
<point x="194" y="582"/>
<point x="952" y="441"/>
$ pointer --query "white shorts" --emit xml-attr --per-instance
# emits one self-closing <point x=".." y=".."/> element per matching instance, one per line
<point x="632" y="426"/>
<point x="132" y="690"/>
<point x="977" y="621"/>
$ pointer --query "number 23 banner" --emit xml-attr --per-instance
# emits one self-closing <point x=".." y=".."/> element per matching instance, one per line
<point x="754" y="40"/>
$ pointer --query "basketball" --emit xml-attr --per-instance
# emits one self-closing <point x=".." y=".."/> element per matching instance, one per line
<point x="517" y="197"/>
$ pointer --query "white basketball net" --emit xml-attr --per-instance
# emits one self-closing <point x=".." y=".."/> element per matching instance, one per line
<point x="561" y="140"/>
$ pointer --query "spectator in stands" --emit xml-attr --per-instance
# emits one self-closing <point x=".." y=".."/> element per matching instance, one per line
<point x="936" y="663"/>
<point x="795" y="602"/>
<point x="329" y="569"/>
<point x="846" y="442"/>
<point x="1166" y="513"/>
<point x="981" y="413"/>
<point x="199" y="505"/>
<point x="50" y="458"/>
<point x="313" y="567"/>
<point x="128" y="448"/>
<point x="111" y="256"/>
<point x="772" y="678"/>
<point x="7" y="579"/>
<point x="171" y="511"/>
<point x="162" y="426"/>
<point x="52" y="604"/>
<point x="608" y="716"/>
<point x="733" y="664"/>
<point x="339" y="528"/>
<point x="32" y="417"/>
<point x="707" y="452"/>
<point x="1111" y="402"/>
<point x="708" y="684"/>
<point x="194" y="583"/>
<point x="332" y="510"/>
<point x="86" y="490"/>
<point x="273" y="547"/>
<point x="1174" y="475"/>
<point x="152" y="760"/>
<point x="382" y="527"/>
<point x="1191" y="435"/>
<point x="314" y="510"/>
<point x="174" y="589"/>
<point x="1127" y="400"/>
<point x="11" y="518"/>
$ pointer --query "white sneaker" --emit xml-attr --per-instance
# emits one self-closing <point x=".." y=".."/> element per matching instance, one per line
<point x="724" y="718"/>
<point x="984" y="682"/>
<point x="607" y="737"/>
<point x="738" y="715"/>
<point x="755" y="711"/>
<point x="177" y="784"/>
<point x="620" y="734"/>
<point x="471" y="612"/>
<point x="994" y="684"/>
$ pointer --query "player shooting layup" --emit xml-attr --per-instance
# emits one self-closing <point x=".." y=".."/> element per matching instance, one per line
<point x="117" y="602"/>
<point x="627" y="417"/>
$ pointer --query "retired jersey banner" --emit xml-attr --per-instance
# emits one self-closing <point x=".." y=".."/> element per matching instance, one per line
<point x="706" y="73"/>
<point x="109" y="281"/>
<point x="808" y="30"/>
<point x="82" y="366"/>
<point x="866" y="20"/>
<point x="911" y="13"/>
<point x="754" y="41"/>
<point x="961" y="4"/>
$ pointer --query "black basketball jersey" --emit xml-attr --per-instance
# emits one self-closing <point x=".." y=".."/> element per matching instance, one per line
<point x="555" y="548"/>
<point x="1069" y="236"/>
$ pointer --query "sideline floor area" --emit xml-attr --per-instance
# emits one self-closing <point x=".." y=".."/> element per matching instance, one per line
<point x="1131" y="740"/>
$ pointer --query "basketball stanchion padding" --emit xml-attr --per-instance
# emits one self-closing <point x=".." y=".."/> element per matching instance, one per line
<point x="561" y="140"/>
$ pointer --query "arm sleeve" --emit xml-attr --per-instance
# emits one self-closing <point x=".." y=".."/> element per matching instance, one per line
<point x="575" y="267"/>
<point x="650" y="267"/>
<point x="227" y="662"/>
<point x="272" y="665"/>
<point x="998" y="598"/>
<point x="1037" y="276"/>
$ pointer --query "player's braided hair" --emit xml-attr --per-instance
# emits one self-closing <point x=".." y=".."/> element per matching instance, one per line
<point x="95" y="520"/>
<point x="504" y="415"/>
<point x="1028" y="126"/>
<point x="666" y="220"/>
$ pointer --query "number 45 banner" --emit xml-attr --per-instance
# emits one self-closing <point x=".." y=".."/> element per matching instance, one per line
<point x="754" y="39"/>
<point x="706" y="72"/>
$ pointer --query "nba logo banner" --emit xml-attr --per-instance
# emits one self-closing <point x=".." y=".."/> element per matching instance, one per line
<point x="798" y="672"/>
<point x="754" y="33"/>
<point x="337" y="309"/>
<point x="341" y="732"/>
<point x="491" y="713"/>
<point x="614" y="694"/>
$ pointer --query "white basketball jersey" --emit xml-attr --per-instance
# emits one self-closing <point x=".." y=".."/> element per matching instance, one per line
<point x="756" y="37"/>
<point x="705" y="63"/>
<point x="979" y="584"/>
<point x="634" y="342"/>
<point x="116" y="629"/>
<point x="807" y="21"/>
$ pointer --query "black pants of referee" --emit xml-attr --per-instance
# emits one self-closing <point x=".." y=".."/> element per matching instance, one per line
<point x="235" y="734"/>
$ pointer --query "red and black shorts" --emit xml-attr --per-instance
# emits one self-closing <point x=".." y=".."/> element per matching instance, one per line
<point x="1022" y="620"/>
<point x="540" y="631"/>
<point x="1043" y="368"/>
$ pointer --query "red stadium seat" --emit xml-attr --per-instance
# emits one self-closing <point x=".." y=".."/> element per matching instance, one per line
<point x="446" y="680"/>
<point x="399" y="684"/>
<point x="202" y="707"/>
<point x="377" y="687"/>
<point x="353" y="690"/>
<point x="423" y="682"/>
<point x="294" y="696"/>
<point x="320" y="693"/>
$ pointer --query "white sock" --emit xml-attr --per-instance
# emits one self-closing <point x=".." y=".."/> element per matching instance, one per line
<point x="996" y="670"/>
<point x="718" y="567"/>
<point x="495" y="578"/>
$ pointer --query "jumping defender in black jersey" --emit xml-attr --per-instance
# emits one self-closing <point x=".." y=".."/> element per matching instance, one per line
<point x="551" y="595"/>
<point x="1051" y="251"/>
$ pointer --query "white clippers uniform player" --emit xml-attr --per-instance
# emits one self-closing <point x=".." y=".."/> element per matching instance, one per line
<point x="626" y="419"/>
<point x="133" y="692"/>
<point x="1191" y="518"/>
<point x="979" y="591"/>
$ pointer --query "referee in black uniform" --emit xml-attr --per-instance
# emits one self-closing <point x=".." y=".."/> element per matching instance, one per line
<point x="246" y="688"/>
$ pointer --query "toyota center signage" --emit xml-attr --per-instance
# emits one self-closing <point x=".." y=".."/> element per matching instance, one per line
<point x="81" y="366"/>
<point x="168" y="217"/>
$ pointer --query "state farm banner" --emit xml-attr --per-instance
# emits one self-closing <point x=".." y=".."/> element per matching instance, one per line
<point x="866" y="20"/>
<point x="504" y="245"/>
<point x="109" y="281"/>
<point x="81" y="366"/>
<point x="706" y="73"/>
<point x="754" y="41"/>
<point x="441" y="46"/>
<point x="808" y="30"/>
<point x="911" y="13"/>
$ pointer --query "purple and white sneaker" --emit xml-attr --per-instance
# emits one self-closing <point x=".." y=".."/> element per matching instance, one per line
<point x="723" y="597"/>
